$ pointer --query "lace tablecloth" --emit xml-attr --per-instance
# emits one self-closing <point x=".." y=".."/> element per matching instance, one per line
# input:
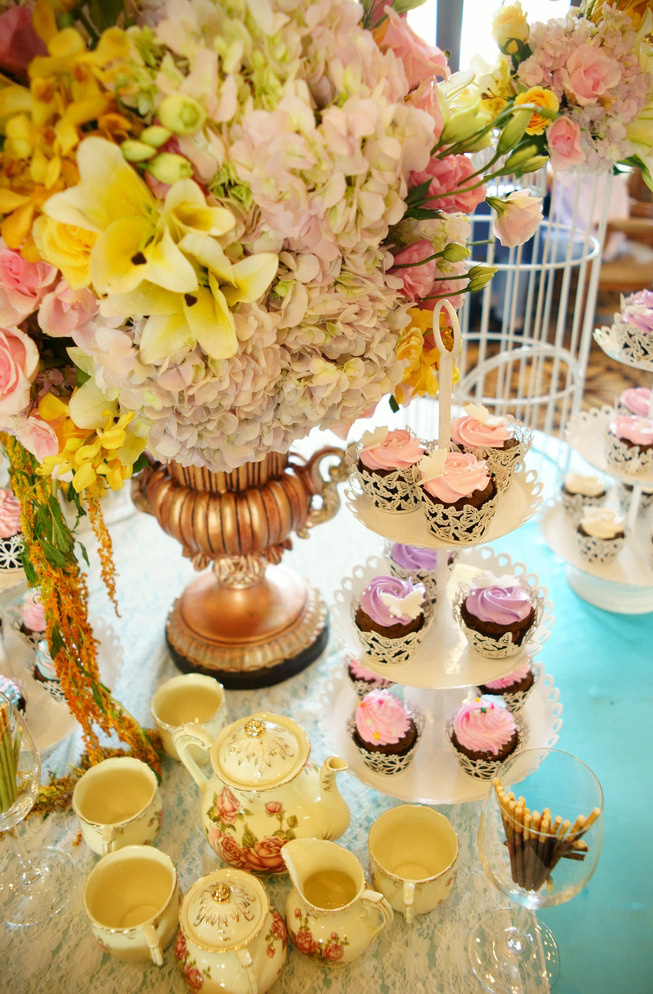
<point x="61" y="957"/>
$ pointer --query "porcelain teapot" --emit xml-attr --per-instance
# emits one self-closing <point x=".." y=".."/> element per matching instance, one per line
<point x="230" y="937"/>
<point x="264" y="791"/>
<point x="331" y="914"/>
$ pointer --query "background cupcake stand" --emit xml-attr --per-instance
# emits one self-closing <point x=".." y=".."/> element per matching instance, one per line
<point x="626" y="583"/>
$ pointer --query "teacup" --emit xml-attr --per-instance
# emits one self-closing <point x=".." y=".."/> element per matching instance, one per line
<point x="191" y="697"/>
<point x="413" y="850"/>
<point x="131" y="899"/>
<point x="117" y="804"/>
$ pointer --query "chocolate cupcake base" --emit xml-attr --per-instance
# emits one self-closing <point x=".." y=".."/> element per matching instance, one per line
<point x="386" y="762"/>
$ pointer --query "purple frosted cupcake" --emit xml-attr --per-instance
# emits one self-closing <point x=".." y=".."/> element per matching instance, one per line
<point x="633" y="325"/>
<point x="390" y="618"/>
<point x="421" y="564"/>
<point x="497" y="613"/>
<point x="364" y="680"/>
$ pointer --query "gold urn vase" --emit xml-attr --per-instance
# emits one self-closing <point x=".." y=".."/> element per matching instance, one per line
<point x="248" y="621"/>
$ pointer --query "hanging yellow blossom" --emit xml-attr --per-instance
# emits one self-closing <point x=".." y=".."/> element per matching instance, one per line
<point x="417" y="348"/>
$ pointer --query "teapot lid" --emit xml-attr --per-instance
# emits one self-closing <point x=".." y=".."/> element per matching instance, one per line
<point x="224" y="910"/>
<point x="260" y="751"/>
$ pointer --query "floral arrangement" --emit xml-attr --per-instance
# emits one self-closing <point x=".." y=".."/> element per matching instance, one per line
<point x="591" y="76"/>
<point x="223" y="223"/>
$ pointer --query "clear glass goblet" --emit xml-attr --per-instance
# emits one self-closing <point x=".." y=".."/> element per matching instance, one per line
<point x="539" y="840"/>
<point x="40" y="883"/>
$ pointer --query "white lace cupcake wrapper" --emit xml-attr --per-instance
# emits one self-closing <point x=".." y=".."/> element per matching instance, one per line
<point x="390" y="652"/>
<point x="599" y="550"/>
<point x="394" y="492"/>
<point x="502" y="463"/>
<point x="625" y="497"/>
<point x="574" y="504"/>
<point x="463" y="527"/>
<point x="502" y="647"/>
<point x="484" y="769"/>
<point x="628" y="459"/>
<point x="633" y="342"/>
<point x="363" y="687"/>
<point x="389" y="765"/>
<point x="11" y="551"/>
<point x="516" y="700"/>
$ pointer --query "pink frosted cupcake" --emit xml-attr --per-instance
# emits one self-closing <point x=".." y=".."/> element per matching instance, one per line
<point x="501" y="441"/>
<point x="635" y="400"/>
<point x="386" y="732"/>
<point x="483" y="733"/>
<point x="32" y="617"/>
<point x="459" y="495"/>
<point x="513" y="688"/>
<point x="390" y="618"/>
<point x="364" y="680"/>
<point x="384" y="468"/>
<point x="633" y="326"/>
<point x="629" y="444"/>
<point x="11" y="537"/>
<point x="497" y="613"/>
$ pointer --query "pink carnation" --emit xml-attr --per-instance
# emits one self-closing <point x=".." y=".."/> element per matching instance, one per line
<point x="420" y="60"/>
<point x="425" y="97"/>
<point x="450" y="188"/>
<point x="417" y="279"/>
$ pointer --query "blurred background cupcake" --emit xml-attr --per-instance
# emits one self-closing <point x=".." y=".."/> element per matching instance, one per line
<point x="386" y="731"/>
<point x="421" y="564"/>
<point x="362" y="679"/>
<point x="44" y="672"/>
<point x="14" y="693"/>
<point x="600" y="534"/>
<point x="32" y="618"/>
<point x="625" y="493"/>
<point x="579" y="491"/>
<point x="633" y="325"/>
<point x="513" y="688"/>
<point x="11" y="537"/>
<point x="629" y="444"/>
<point x="635" y="400"/>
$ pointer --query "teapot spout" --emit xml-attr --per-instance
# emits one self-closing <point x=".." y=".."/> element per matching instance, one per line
<point x="336" y="812"/>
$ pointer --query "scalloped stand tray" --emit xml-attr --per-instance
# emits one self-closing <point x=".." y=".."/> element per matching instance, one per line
<point x="606" y="339"/>
<point x="444" y="660"/>
<point x="586" y="433"/>
<point x="515" y="506"/>
<point x="434" y="776"/>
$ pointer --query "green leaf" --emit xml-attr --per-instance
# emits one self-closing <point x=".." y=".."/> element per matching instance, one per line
<point x="97" y="698"/>
<point x="249" y="839"/>
<point x="394" y="406"/>
<point x="104" y="13"/>
<point x="56" y="641"/>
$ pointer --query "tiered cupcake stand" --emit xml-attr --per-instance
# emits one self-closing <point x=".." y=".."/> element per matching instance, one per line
<point x="624" y="585"/>
<point x="445" y="668"/>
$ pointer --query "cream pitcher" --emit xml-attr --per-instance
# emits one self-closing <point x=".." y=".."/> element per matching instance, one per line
<point x="331" y="914"/>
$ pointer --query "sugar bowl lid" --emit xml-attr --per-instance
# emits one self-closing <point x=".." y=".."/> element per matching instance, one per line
<point x="224" y="910"/>
<point x="261" y="751"/>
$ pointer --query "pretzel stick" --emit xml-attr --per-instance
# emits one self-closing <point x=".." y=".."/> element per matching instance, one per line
<point x="534" y="849"/>
<point x="527" y="849"/>
<point x="519" y="840"/>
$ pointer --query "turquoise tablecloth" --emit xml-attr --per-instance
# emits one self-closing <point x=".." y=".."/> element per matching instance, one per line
<point x="601" y="665"/>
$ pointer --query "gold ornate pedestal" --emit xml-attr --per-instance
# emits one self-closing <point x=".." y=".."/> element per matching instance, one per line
<point x="250" y="622"/>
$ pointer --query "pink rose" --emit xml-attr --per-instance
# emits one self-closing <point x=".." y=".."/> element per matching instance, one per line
<point x="420" y="60"/>
<point x="64" y="310"/>
<point x="450" y="188"/>
<point x="279" y="930"/>
<point x="231" y="852"/>
<point x="305" y="942"/>
<point x="194" y="977"/>
<point x="563" y="138"/>
<point x="227" y="806"/>
<point x="180" y="945"/>
<point x="425" y="97"/>
<point x="22" y="285"/>
<point x="417" y="279"/>
<point x="19" y="361"/>
<point x="37" y="436"/>
<point x="265" y="856"/>
<point x="589" y="74"/>
<point x="19" y="42"/>
<point x="518" y="219"/>
<point x="333" y="953"/>
<point x="273" y="807"/>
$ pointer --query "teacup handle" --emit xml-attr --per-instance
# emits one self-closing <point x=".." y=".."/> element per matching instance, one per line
<point x="152" y="939"/>
<point x="409" y="900"/>
<point x="372" y="898"/>
<point x="245" y="961"/>
<point x="108" y="833"/>
<point x="188" y="735"/>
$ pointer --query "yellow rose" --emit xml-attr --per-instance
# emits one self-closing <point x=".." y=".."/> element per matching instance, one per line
<point x="65" y="246"/>
<point x="510" y="26"/>
<point x="543" y="98"/>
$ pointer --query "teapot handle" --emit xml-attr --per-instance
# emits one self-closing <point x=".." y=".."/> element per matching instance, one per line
<point x="192" y="734"/>
<point x="245" y="961"/>
<point x="371" y="899"/>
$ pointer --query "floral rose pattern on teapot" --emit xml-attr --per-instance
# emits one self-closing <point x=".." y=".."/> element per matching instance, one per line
<point x="331" y="949"/>
<point x="258" y="855"/>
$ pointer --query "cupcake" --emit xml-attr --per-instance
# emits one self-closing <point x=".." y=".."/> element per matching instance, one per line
<point x="11" y="538"/>
<point x="386" y="732"/>
<point x="600" y="534"/>
<point x="458" y="493"/>
<point x="625" y="493"/>
<point x="13" y="692"/>
<point x="633" y="326"/>
<point x="629" y="444"/>
<point x="32" y="617"/>
<point x="384" y="468"/>
<point x="44" y="672"/>
<point x="579" y="491"/>
<point x="390" y="618"/>
<point x="364" y="680"/>
<point x="420" y="564"/>
<point x="497" y="613"/>
<point x="483" y="733"/>
<point x="635" y="400"/>
<point x="501" y="441"/>
<point x="513" y="688"/>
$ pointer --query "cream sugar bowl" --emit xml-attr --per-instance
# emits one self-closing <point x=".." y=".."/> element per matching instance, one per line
<point x="230" y="937"/>
<point x="263" y="790"/>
